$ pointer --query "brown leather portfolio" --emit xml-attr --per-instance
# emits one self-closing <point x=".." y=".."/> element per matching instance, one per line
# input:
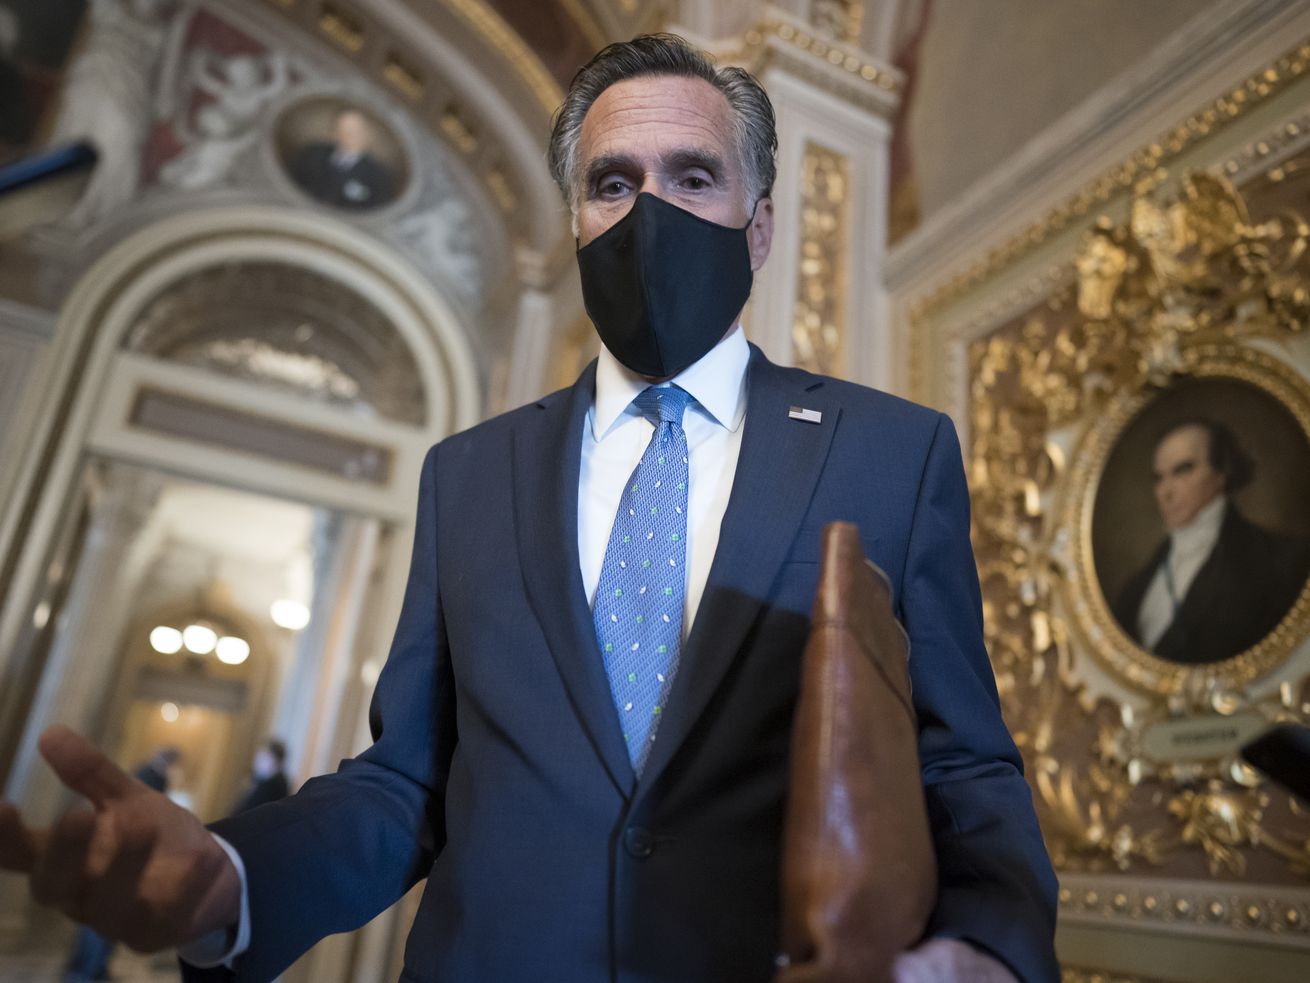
<point x="859" y="878"/>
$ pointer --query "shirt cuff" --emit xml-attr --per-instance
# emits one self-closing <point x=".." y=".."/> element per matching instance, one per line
<point x="221" y="946"/>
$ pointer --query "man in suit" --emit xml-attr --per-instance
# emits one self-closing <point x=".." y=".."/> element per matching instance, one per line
<point x="343" y="173"/>
<point x="582" y="730"/>
<point x="268" y="777"/>
<point x="1218" y="583"/>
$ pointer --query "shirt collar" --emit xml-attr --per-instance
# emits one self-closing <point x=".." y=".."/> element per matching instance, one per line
<point x="1201" y="532"/>
<point x="717" y="382"/>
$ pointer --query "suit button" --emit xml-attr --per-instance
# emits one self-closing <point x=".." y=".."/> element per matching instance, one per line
<point x="639" y="842"/>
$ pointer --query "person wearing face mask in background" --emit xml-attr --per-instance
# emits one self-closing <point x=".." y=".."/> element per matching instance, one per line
<point x="583" y="728"/>
<point x="268" y="780"/>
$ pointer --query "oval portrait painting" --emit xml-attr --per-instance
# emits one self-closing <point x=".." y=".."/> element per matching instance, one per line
<point x="341" y="154"/>
<point x="1201" y="520"/>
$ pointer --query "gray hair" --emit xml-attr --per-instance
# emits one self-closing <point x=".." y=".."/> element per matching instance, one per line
<point x="1225" y="453"/>
<point x="666" y="54"/>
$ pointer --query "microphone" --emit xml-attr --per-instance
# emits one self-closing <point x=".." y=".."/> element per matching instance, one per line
<point x="44" y="166"/>
<point x="1283" y="753"/>
<point x="40" y="187"/>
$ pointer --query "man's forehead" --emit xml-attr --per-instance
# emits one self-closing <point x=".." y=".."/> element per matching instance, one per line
<point x="650" y="108"/>
<point x="1184" y="442"/>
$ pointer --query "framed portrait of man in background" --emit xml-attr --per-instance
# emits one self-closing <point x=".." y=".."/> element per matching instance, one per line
<point x="341" y="154"/>
<point x="1201" y="521"/>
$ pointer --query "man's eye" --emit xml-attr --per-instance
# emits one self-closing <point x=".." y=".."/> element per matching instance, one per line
<point x="610" y="187"/>
<point x="695" y="183"/>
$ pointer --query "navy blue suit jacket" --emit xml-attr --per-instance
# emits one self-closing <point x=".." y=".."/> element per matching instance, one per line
<point x="499" y="772"/>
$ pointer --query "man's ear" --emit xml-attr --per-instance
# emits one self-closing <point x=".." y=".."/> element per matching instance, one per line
<point x="759" y="234"/>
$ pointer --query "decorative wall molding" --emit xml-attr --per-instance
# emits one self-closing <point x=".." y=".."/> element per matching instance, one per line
<point x="996" y="289"/>
<point x="839" y="19"/>
<point x="1104" y="145"/>
<point x="836" y="67"/>
<point x="1212" y="909"/>
<point x="483" y="19"/>
<point x="442" y="64"/>
<point x="1084" y="974"/>
<point x="808" y="116"/>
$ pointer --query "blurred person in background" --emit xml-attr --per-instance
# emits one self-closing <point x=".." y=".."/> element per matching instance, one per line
<point x="268" y="779"/>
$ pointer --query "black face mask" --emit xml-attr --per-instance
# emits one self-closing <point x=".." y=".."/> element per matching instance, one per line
<point x="663" y="285"/>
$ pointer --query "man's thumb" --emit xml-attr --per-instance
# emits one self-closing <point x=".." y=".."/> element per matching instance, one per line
<point x="83" y="768"/>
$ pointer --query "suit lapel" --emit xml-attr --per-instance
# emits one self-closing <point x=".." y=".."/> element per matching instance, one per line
<point x="1179" y="640"/>
<point x="1129" y="603"/>
<point x="779" y="465"/>
<point x="546" y="457"/>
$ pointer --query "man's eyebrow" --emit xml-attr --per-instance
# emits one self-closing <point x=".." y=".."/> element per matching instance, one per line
<point x="598" y="166"/>
<point x="683" y="158"/>
<point x="677" y="159"/>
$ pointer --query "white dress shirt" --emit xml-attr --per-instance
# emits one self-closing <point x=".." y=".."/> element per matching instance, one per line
<point x="222" y="945"/>
<point x="614" y="438"/>
<point x="1189" y="548"/>
<point x="344" y="160"/>
<point x="616" y="434"/>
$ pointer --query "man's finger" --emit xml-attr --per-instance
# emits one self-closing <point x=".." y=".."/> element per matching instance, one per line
<point x="19" y="846"/>
<point x="112" y="898"/>
<point x="60" y="869"/>
<point x="83" y="768"/>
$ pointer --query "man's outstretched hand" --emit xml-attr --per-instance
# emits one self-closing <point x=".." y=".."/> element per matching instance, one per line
<point x="134" y="867"/>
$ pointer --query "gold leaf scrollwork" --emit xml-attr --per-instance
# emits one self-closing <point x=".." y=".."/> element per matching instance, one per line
<point x="819" y="318"/>
<point x="1219" y="820"/>
<point x="1194" y="265"/>
<point x="1084" y="816"/>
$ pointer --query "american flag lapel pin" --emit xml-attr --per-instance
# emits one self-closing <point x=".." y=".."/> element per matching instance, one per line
<point x="804" y="415"/>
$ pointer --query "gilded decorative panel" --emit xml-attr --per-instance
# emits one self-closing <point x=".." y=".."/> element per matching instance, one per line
<point x="1183" y="321"/>
<point x="1160" y="628"/>
<point x="819" y="317"/>
<point x="841" y="19"/>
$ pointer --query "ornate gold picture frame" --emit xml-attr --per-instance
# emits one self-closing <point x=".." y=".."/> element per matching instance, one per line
<point x="1253" y="394"/>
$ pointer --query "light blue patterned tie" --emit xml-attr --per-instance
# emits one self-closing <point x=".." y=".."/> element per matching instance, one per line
<point x="639" y="601"/>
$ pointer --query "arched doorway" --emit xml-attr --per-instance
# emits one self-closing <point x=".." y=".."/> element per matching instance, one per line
<point x="215" y="372"/>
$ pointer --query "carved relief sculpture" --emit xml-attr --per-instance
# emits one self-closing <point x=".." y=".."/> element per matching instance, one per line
<point x="109" y="97"/>
<point x="219" y="130"/>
